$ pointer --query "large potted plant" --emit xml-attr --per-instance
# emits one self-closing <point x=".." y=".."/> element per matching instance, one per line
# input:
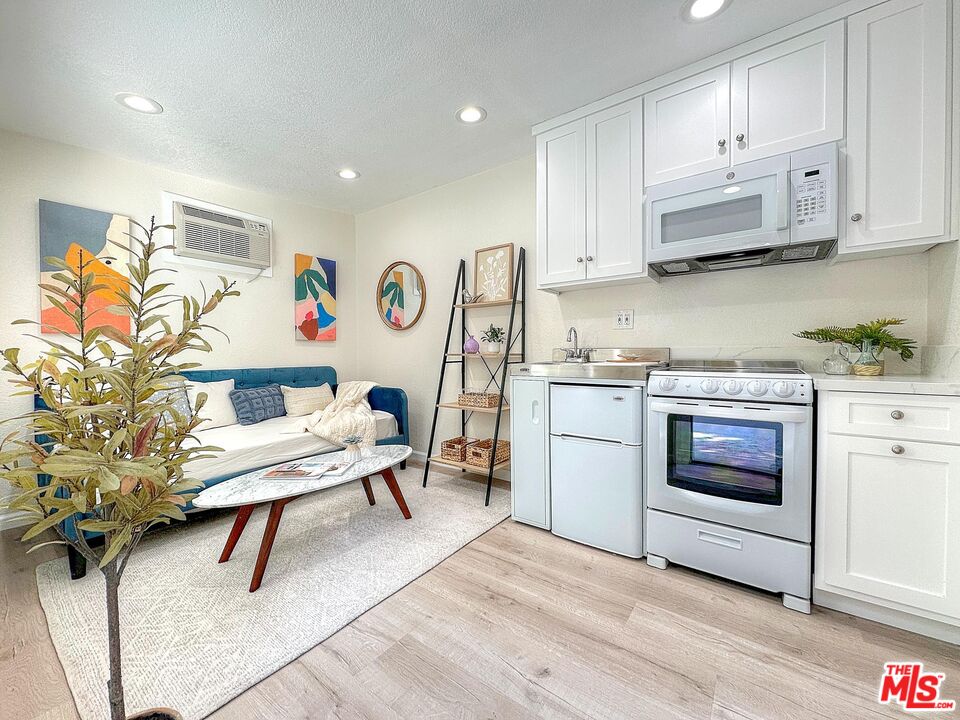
<point x="870" y="339"/>
<point x="105" y="453"/>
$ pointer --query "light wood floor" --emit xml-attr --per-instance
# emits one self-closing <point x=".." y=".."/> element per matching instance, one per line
<point x="520" y="623"/>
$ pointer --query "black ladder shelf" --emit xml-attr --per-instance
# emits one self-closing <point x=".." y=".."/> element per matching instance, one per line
<point x="505" y="359"/>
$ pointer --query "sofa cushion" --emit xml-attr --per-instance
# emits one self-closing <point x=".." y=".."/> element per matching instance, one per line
<point x="177" y="396"/>
<point x="218" y="410"/>
<point x="306" y="400"/>
<point x="254" y="405"/>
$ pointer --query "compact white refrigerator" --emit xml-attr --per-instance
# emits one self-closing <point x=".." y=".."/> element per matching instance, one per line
<point x="596" y="466"/>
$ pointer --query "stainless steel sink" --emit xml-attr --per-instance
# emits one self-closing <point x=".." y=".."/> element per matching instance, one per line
<point x="599" y="364"/>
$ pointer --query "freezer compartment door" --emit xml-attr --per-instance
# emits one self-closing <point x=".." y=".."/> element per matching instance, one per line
<point x="597" y="411"/>
<point x="596" y="494"/>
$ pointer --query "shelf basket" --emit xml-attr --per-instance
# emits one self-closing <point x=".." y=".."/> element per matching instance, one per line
<point x="478" y="399"/>
<point x="455" y="449"/>
<point x="478" y="453"/>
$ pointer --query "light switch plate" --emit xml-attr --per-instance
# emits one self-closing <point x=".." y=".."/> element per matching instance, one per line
<point x="623" y="319"/>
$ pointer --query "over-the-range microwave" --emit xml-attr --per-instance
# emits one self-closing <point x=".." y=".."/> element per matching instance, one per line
<point x="781" y="209"/>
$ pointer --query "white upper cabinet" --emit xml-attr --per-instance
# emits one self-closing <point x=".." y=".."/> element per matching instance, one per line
<point x="561" y="204"/>
<point x="687" y="127"/>
<point x="789" y="96"/>
<point x="897" y="100"/>
<point x="590" y="199"/>
<point x="615" y="191"/>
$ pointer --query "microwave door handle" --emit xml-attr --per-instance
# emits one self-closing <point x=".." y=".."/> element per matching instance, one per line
<point x="782" y="416"/>
<point x="783" y="200"/>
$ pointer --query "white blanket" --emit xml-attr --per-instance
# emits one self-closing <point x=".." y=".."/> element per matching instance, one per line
<point x="348" y="414"/>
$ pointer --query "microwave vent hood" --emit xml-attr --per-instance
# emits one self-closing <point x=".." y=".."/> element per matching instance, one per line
<point x="807" y="252"/>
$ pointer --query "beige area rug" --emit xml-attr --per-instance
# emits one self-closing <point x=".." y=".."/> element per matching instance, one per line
<point x="195" y="638"/>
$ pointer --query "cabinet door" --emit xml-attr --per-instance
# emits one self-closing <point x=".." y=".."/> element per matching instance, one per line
<point x="888" y="523"/>
<point x="789" y="96"/>
<point x="896" y="125"/>
<point x="615" y="191"/>
<point x="561" y="204"/>
<point x="529" y="436"/>
<point x="687" y="127"/>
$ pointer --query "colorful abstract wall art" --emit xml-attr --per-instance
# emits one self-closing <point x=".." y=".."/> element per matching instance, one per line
<point x="316" y="298"/>
<point x="77" y="235"/>
<point x="391" y="299"/>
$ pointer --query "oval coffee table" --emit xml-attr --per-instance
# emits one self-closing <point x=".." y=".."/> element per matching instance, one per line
<point x="252" y="489"/>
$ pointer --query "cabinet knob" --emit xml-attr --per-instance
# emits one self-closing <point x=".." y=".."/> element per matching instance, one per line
<point x="897" y="450"/>
<point x="721" y="142"/>
<point x="740" y="137"/>
<point x="856" y="217"/>
<point x="897" y="414"/>
<point x="589" y="258"/>
<point x="579" y="259"/>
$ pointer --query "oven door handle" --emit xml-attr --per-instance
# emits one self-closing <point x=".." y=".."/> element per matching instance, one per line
<point x="737" y="413"/>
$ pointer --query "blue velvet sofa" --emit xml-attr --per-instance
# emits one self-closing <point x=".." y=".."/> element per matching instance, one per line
<point x="391" y="400"/>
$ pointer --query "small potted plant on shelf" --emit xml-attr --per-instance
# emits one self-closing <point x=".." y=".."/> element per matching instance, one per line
<point x="870" y="339"/>
<point x="105" y="453"/>
<point x="492" y="339"/>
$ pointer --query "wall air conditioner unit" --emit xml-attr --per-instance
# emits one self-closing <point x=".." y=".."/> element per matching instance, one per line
<point x="220" y="237"/>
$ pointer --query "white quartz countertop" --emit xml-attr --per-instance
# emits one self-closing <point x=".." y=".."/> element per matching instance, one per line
<point x="906" y="384"/>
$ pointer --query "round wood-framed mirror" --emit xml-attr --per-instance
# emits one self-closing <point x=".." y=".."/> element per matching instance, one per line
<point x="401" y="295"/>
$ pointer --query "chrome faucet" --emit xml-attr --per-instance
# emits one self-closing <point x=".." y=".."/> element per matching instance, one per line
<point x="577" y="353"/>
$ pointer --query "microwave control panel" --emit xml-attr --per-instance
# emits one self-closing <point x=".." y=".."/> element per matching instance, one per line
<point x="812" y="204"/>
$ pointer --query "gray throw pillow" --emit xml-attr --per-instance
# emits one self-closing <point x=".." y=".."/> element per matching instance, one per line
<point x="255" y="405"/>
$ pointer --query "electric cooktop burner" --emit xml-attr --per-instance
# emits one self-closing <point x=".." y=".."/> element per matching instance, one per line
<point x="781" y="367"/>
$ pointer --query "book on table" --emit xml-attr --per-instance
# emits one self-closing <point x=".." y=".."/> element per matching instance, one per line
<point x="309" y="470"/>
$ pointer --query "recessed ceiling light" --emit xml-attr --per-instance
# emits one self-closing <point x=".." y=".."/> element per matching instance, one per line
<point x="138" y="103"/>
<point x="471" y="114"/>
<point x="732" y="189"/>
<point x="347" y="174"/>
<point x="698" y="10"/>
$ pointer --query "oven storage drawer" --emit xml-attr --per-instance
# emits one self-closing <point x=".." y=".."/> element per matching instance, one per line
<point x="894" y="416"/>
<point x="760" y="560"/>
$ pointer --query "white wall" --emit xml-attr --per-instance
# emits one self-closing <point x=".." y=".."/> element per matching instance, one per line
<point x="259" y="322"/>
<point x="734" y="314"/>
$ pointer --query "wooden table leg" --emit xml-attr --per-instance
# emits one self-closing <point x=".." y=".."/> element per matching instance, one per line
<point x="266" y="545"/>
<point x="243" y="514"/>
<point x="391" y="480"/>
<point x="368" y="490"/>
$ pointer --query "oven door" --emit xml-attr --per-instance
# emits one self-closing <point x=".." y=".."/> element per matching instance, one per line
<point x="744" y="208"/>
<point x="746" y="465"/>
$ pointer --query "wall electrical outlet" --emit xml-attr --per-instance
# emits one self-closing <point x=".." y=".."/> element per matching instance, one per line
<point x="623" y="320"/>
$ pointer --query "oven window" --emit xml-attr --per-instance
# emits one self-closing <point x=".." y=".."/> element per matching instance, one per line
<point x="703" y="221"/>
<point x="734" y="459"/>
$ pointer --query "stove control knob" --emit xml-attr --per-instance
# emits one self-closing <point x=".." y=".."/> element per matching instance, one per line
<point x="668" y="384"/>
<point x="709" y="386"/>
<point x="757" y="387"/>
<point x="784" y="389"/>
<point x="732" y="387"/>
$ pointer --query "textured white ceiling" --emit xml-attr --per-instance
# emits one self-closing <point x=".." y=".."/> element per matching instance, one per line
<point x="278" y="94"/>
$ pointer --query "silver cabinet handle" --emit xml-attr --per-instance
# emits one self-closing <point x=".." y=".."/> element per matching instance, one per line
<point x="589" y="258"/>
<point x="721" y="142"/>
<point x="579" y="259"/>
<point x="856" y="217"/>
<point x="740" y="137"/>
<point x="897" y="414"/>
<point x="897" y="450"/>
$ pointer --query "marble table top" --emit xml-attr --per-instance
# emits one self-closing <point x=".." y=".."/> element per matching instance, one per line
<point x="252" y="488"/>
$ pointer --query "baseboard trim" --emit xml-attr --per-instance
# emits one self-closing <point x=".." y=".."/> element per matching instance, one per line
<point x="888" y="616"/>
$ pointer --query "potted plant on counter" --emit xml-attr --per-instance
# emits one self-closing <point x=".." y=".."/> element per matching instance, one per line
<point x="105" y="451"/>
<point x="870" y="340"/>
<point x="492" y="339"/>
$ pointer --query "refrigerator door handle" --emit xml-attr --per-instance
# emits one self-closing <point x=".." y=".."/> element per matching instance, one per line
<point x="582" y="438"/>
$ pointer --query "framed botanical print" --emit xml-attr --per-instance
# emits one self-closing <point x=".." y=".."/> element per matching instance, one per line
<point x="493" y="273"/>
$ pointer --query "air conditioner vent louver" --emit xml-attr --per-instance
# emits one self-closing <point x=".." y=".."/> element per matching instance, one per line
<point x="209" y="235"/>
